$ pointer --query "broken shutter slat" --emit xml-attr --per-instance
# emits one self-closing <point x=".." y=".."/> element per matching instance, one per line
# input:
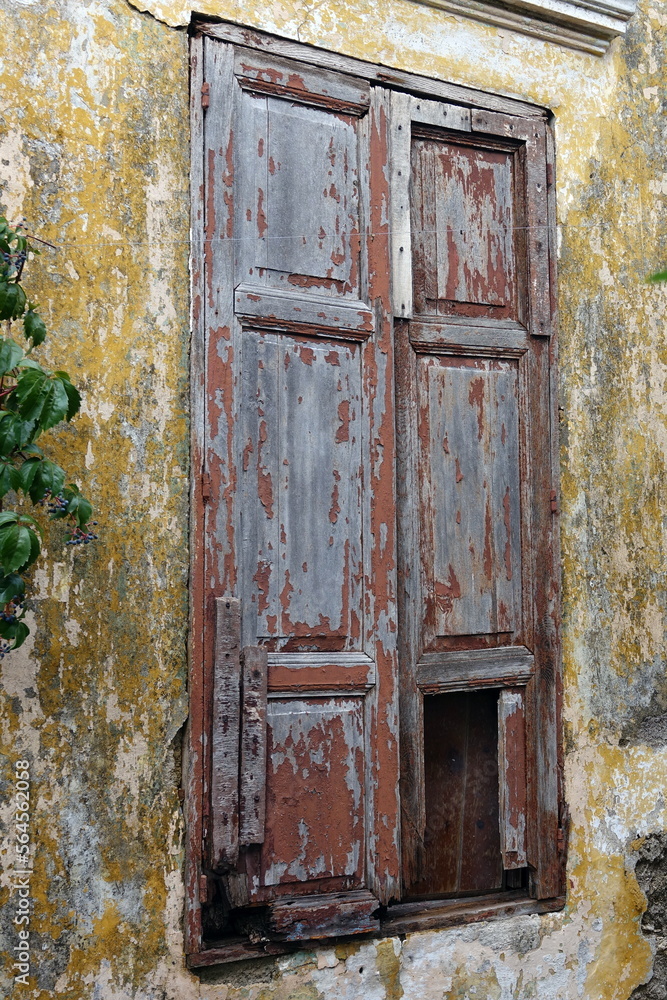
<point x="327" y="915"/>
<point x="225" y="742"/>
<point x="512" y="777"/>
<point x="253" y="746"/>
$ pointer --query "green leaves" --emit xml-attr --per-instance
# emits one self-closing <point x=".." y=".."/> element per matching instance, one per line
<point x="12" y="300"/>
<point x="658" y="276"/>
<point x="33" y="327"/>
<point x="10" y="355"/>
<point x="33" y="400"/>
<point x="19" y="541"/>
<point x="44" y="398"/>
<point x="77" y="506"/>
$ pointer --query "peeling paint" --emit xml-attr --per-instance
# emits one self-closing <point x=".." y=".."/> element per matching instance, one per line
<point x="95" y="153"/>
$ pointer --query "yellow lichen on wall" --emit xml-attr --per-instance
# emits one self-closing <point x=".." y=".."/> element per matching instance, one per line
<point x="94" y="151"/>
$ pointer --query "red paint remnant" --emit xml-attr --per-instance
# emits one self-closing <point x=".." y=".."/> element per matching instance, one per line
<point x="307" y="354"/>
<point x="459" y="474"/>
<point x="332" y="358"/>
<point x="458" y="517"/>
<point x="262" y="224"/>
<point x="445" y="445"/>
<point x="296" y="82"/>
<point x="247" y="452"/>
<point x="487" y="558"/>
<point x="476" y="398"/>
<point x="343" y="432"/>
<point x="253" y="297"/>
<point x="262" y="578"/>
<point x="308" y="281"/>
<point x="503" y="432"/>
<point x="508" y="529"/>
<point x="285" y="596"/>
<point x="264" y="481"/>
<point x="283" y="536"/>
<point x="248" y="214"/>
<point x="260" y="147"/>
<point x="337" y="258"/>
<point x="271" y="624"/>
<point x="287" y="360"/>
<point x="331" y="541"/>
<point x="272" y="165"/>
<point x="261" y="72"/>
<point x="447" y="593"/>
<point x="335" y="506"/>
<point x="304" y="567"/>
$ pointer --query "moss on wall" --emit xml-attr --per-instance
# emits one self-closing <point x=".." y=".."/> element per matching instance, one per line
<point x="94" y="151"/>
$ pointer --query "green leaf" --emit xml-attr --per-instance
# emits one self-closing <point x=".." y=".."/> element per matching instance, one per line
<point x="8" y="517"/>
<point x="12" y="300"/>
<point x="46" y="478"/>
<point x="56" y="405"/>
<point x="41" y="398"/>
<point x="11" y="586"/>
<point x="15" y="546"/>
<point x="73" y="399"/>
<point x="9" y="478"/>
<point x="22" y="633"/>
<point x="14" y="432"/>
<point x="658" y="276"/>
<point x="33" y="327"/>
<point x="10" y="355"/>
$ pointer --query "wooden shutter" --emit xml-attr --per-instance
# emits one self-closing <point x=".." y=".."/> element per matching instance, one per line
<point x="477" y="546"/>
<point x="298" y="458"/>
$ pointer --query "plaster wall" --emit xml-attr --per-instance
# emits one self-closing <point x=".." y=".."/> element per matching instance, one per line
<point x="94" y="152"/>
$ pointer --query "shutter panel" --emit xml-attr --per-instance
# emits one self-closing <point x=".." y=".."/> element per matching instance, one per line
<point x="476" y="544"/>
<point x="301" y="536"/>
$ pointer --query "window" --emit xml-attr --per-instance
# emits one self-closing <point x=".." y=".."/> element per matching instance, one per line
<point x="374" y="639"/>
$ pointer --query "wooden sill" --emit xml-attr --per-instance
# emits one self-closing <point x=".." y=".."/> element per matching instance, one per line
<point x="434" y="914"/>
<point x="404" y="918"/>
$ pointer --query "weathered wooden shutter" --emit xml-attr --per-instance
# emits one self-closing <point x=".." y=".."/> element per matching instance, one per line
<point x="300" y="532"/>
<point x="477" y="546"/>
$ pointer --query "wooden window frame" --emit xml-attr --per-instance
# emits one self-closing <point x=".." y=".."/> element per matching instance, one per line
<point x="401" y="917"/>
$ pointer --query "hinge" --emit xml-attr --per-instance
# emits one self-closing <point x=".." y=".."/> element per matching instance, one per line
<point x="205" y="95"/>
<point x="553" y="496"/>
<point x="203" y="888"/>
<point x="205" y="486"/>
<point x="550" y="175"/>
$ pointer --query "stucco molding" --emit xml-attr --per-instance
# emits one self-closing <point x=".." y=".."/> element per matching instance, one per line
<point x="588" y="25"/>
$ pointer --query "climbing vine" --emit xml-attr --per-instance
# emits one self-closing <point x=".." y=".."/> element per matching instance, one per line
<point x="33" y="400"/>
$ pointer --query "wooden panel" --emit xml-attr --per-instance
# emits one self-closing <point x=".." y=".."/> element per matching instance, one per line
<point x="439" y="114"/>
<point x="470" y="514"/>
<point x="463" y="221"/>
<point x="278" y="308"/>
<point x="331" y="915"/>
<point x="512" y="777"/>
<point x="271" y="74"/>
<point x="299" y="227"/>
<point x="462" y="669"/>
<point x="253" y="746"/>
<point x="225" y="742"/>
<point x="302" y="482"/>
<point x="315" y="782"/>
<point x="461" y="850"/>
<point x="299" y="672"/>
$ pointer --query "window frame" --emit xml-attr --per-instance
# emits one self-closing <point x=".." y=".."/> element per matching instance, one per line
<point x="400" y="917"/>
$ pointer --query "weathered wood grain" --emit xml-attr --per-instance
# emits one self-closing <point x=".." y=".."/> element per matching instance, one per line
<point x="252" y="783"/>
<point x="225" y="735"/>
<point x="512" y="777"/>
<point x="324" y="916"/>
<point x="383" y="75"/>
